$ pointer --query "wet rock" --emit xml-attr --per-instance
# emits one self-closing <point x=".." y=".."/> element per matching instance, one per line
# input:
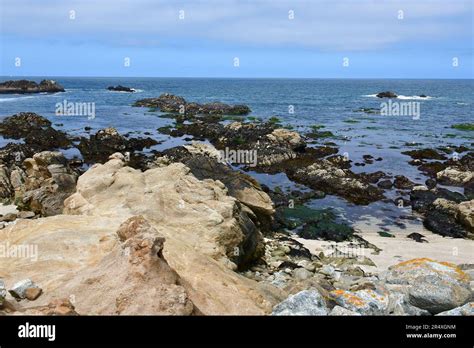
<point x="36" y="131"/>
<point x="307" y="302"/>
<point x="465" y="310"/>
<point x="430" y="184"/>
<point x="25" y="86"/>
<point x="432" y="286"/>
<point x="403" y="183"/>
<point x="20" y="288"/>
<point x="171" y="103"/>
<point x="417" y="237"/>
<point x="387" y="94"/>
<point x="455" y="177"/>
<point x="120" y="88"/>
<point x="324" y="176"/>
<point x="425" y="154"/>
<point x="107" y="141"/>
<point x="385" y="184"/>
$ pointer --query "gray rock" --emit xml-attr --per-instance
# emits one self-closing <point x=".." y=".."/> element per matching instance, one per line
<point x="341" y="311"/>
<point x="302" y="274"/>
<point x="18" y="290"/>
<point x="431" y="285"/>
<point x="467" y="309"/>
<point x="3" y="292"/>
<point x="306" y="302"/>
<point x="435" y="295"/>
<point x="328" y="270"/>
<point x="399" y="305"/>
<point x="365" y="302"/>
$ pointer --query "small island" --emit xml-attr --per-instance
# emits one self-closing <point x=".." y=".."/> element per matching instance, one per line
<point x="25" y="86"/>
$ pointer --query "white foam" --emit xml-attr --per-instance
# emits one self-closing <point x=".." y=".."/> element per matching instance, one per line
<point x="16" y="98"/>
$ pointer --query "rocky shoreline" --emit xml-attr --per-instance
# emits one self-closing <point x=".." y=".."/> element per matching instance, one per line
<point x="190" y="234"/>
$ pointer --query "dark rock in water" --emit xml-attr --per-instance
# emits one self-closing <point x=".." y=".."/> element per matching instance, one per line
<point x="323" y="175"/>
<point x="120" y="88"/>
<point x="469" y="189"/>
<point x="431" y="168"/>
<point x="35" y="129"/>
<point x="417" y="237"/>
<point x="443" y="224"/>
<point x="423" y="96"/>
<point x="374" y="177"/>
<point x="385" y="184"/>
<point x="387" y="94"/>
<point x="425" y="154"/>
<point x="403" y="183"/>
<point x="430" y="183"/>
<point x="107" y="141"/>
<point x="25" y="86"/>
<point x="421" y="200"/>
<point x="316" y="224"/>
<point x="171" y="103"/>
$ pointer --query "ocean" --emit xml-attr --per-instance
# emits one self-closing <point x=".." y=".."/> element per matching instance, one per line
<point x="298" y="103"/>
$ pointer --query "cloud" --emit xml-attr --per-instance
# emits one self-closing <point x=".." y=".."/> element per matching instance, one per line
<point x="326" y="25"/>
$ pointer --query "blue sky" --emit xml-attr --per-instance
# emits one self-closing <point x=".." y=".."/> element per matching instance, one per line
<point x="373" y="36"/>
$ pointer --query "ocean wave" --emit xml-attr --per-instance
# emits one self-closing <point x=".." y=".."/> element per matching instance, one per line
<point x="16" y="98"/>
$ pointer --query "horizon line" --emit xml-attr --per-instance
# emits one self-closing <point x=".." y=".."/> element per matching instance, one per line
<point x="241" y="77"/>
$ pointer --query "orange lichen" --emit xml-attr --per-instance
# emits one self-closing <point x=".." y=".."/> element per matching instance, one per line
<point x="350" y="298"/>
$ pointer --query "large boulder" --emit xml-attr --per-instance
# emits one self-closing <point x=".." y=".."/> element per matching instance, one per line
<point x="433" y="286"/>
<point x="386" y="94"/>
<point x="176" y="199"/>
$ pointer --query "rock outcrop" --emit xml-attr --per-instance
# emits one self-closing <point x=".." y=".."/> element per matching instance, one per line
<point x="171" y="103"/>
<point x="25" y="86"/>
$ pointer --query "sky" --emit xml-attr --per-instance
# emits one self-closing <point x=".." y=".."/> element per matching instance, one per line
<point x="238" y="38"/>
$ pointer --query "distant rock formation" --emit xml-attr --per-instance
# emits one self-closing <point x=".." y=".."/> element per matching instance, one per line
<point x="387" y="94"/>
<point x="121" y="88"/>
<point x="172" y="103"/>
<point x="25" y="86"/>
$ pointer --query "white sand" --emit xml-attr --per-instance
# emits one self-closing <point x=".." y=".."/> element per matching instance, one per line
<point x="400" y="248"/>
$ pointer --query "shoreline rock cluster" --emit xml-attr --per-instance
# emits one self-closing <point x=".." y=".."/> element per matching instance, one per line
<point x="182" y="232"/>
